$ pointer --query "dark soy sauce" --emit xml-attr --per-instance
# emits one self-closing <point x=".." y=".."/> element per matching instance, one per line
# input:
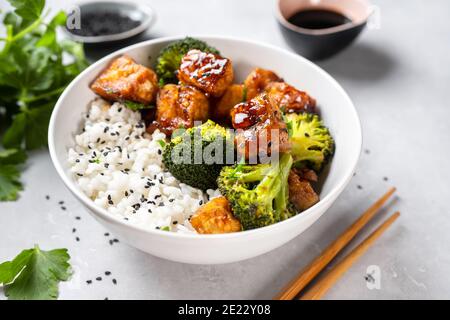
<point x="318" y="19"/>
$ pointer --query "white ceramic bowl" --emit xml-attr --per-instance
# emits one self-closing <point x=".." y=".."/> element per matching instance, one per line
<point x="336" y="108"/>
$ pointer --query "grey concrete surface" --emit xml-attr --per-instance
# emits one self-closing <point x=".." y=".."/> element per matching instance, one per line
<point x="399" y="79"/>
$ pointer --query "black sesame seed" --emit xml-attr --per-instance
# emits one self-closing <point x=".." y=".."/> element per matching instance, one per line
<point x="79" y="174"/>
<point x="103" y="142"/>
<point x="136" y="206"/>
<point x="98" y="278"/>
<point x="78" y="160"/>
<point x="98" y="140"/>
<point x="78" y="239"/>
<point x="171" y="200"/>
<point x="106" y="234"/>
<point x="385" y="178"/>
<point x="175" y="222"/>
<point x="161" y="204"/>
<point x="116" y="240"/>
<point x="126" y="193"/>
<point x="74" y="230"/>
<point x="47" y="197"/>
<point x="109" y="197"/>
<point x="78" y="217"/>
<point x="359" y="187"/>
<point x="159" y="151"/>
<point x="63" y="208"/>
<point x="200" y="202"/>
<point x="111" y="242"/>
<point x="114" y="281"/>
<point x="110" y="202"/>
<point x="131" y="190"/>
<point x="149" y="210"/>
<point x="157" y="196"/>
<point x="88" y="281"/>
<point x="107" y="273"/>
<point x="107" y="119"/>
<point x="307" y="134"/>
<point x="106" y="165"/>
<point x="119" y="110"/>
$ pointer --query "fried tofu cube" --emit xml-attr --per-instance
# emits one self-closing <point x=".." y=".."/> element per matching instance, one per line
<point x="232" y="96"/>
<point x="261" y="129"/>
<point x="301" y="193"/>
<point x="206" y="71"/>
<point x="179" y="106"/>
<point x="215" y="217"/>
<point x="124" y="79"/>
<point x="290" y="99"/>
<point x="257" y="81"/>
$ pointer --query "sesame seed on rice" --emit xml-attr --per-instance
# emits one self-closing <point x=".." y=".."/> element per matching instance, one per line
<point x="118" y="188"/>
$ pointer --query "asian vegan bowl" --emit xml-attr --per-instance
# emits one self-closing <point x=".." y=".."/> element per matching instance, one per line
<point x="191" y="138"/>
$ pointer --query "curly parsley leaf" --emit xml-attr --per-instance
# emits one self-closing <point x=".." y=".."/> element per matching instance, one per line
<point x="35" y="274"/>
<point x="10" y="184"/>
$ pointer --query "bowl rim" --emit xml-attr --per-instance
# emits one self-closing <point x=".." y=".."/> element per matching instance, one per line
<point x="102" y="213"/>
<point x="320" y="32"/>
<point x="146" y="23"/>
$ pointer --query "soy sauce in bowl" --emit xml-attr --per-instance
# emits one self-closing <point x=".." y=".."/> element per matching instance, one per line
<point x="318" y="19"/>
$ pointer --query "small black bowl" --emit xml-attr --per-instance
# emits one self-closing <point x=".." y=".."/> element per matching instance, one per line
<point x="319" y="44"/>
<point x="143" y="15"/>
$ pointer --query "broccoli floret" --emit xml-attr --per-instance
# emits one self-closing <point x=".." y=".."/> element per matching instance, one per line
<point x="169" y="58"/>
<point x="312" y="143"/>
<point x="258" y="194"/>
<point x="191" y="156"/>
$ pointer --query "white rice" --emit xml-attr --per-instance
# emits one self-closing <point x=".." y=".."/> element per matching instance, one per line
<point x="119" y="166"/>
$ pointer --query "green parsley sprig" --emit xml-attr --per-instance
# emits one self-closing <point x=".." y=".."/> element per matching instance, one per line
<point x="34" y="274"/>
<point x="35" y="68"/>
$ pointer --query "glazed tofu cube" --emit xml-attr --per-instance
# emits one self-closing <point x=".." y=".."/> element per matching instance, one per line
<point x="257" y="81"/>
<point x="124" y="79"/>
<point x="179" y="106"/>
<point x="206" y="71"/>
<point x="232" y="96"/>
<point x="215" y="217"/>
<point x="290" y="99"/>
<point x="261" y="128"/>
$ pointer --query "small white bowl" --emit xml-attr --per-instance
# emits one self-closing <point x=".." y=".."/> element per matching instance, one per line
<point x="336" y="109"/>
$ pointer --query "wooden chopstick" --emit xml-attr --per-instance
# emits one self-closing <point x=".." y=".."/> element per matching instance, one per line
<point x="324" y="284"/>
<point x="317" y="265"/>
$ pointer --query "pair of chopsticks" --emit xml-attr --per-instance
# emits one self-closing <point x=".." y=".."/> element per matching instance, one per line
<point x="318" y="290"/>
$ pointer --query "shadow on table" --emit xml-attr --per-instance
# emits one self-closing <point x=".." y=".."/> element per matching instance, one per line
<point x="95" y="52"/>
<point x="360" y="62"/>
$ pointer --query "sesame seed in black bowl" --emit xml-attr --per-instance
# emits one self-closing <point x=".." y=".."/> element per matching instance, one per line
<point x="99" y="22"/>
